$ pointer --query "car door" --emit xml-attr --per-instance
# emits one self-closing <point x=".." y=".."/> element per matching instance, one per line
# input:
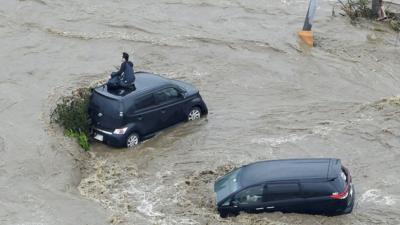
<point x="250" y="199"/>
<point x="145" y="115"/>
<point x="284" y="197"/>
<point x="316" y="197"/>
<point x="170" y="103"/>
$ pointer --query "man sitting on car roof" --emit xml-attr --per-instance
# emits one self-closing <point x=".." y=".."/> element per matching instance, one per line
<point x="124" y="77"/>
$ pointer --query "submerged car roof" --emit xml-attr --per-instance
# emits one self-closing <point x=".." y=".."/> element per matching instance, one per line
<point x="144" y="82"/>
<point x="289" y="169"/>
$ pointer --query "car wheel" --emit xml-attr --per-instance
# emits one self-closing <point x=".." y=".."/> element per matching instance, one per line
<point x="194" y="114"/>
<point x="132" y="140"/>
<point x="228" y="214"/>
<point x="223" y="215"/>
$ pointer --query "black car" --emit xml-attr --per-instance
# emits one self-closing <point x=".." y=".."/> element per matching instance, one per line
<point x="123" y="119"/>
<point x="315" y="186"/>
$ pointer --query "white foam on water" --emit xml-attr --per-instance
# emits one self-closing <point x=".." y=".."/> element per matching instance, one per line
<point x="199" y="74"/>
<point x="376" y="196"/>
<point x="323" y="131"/>
<point x="184" y="221"/>
<point x="318" y="130"/>
<point x="146" y="203"/>
<point x="146" y="207"/>
<point x="162" y="174"/>
<point x="278" y="141"/>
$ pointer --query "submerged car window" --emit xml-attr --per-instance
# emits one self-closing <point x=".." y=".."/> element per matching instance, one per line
<point x="316" y="189"/>
<point x="250" y="195"/>
<point x="283" y="191"/>
<point x="166" y="95"/>
<point x="145" y="102"/>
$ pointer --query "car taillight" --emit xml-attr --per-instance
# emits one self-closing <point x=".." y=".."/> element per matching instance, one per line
<point x="341" y="195"/>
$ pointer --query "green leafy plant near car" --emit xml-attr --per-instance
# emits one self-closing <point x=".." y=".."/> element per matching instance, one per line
<point x="82" y="138"/>
<point x="71" y="113"/>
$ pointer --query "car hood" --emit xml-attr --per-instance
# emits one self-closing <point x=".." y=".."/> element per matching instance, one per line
<point x="190" y="89"/>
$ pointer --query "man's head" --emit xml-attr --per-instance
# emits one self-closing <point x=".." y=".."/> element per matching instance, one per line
<point x="125" y="56"/>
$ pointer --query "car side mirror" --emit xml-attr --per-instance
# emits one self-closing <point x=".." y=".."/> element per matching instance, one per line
<point x="182" y="94"/>
<point x="234" y="203"/>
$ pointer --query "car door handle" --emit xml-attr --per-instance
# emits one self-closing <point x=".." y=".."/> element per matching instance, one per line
<point x="270" y="207"/>
<point x="139" y="117"/>
<point x="261" y="208"/>
<point x="163" y="111"/>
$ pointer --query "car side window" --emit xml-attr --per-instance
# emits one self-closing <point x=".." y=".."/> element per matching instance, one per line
<point x="281" y="191"/>
<point x="166" y="95"/>
<point x="316" y="189"/>
<point x="145" y="102"/>
<point x="250" y="195"/>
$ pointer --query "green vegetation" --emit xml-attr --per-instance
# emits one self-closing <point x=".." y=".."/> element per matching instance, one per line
<point x="83" y="138"/>
<point x="72" y="114"/>
<point x="394" y="20"/>
<point x="356" y="9"/>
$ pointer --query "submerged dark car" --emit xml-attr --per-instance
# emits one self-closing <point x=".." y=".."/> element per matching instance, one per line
<point x="123" y="119"/>
<point x="314" y="186"/>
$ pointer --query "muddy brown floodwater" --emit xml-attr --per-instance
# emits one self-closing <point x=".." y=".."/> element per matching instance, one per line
<point x="269" y="97"/>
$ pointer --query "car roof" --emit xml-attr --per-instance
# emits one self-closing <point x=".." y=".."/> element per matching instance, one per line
<point x="144" y="82"/>
<point x="288" y="169"/>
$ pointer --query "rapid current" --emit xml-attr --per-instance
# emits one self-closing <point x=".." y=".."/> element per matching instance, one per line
<point x="269" y="97"/>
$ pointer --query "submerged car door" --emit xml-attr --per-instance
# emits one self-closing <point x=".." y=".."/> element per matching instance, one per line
<point x="284" y="197"/>
<point x="250" y="199"/>
<point x="145" y="115"/>
<point x="170" y="104"/>
<point x="316" y="197"/>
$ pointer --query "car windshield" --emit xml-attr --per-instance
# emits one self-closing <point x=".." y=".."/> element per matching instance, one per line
<point x="227" y="185"/>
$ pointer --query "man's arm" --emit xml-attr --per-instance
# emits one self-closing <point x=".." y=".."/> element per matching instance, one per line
<point x="121" y="69"/>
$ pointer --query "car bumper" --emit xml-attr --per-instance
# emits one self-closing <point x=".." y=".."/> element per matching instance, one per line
<point x="108" y="137"/>
<point x="350" y="205"/>
<point x="203" y="107"/>
<point x="346" y="206"/>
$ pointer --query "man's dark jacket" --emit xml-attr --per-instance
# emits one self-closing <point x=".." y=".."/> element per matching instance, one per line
<point x="126" y="72"/>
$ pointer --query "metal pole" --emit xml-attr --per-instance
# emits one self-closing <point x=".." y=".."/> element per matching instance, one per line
<point x="312" y="8"/>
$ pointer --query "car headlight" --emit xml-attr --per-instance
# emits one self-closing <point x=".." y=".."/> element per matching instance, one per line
<point x="120" y="131"/>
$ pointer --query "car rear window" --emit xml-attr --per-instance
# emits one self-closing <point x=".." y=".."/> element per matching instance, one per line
<point x="281" y="191"/>
<point x="105" y="105"/>
<point x="316" y="189"/>
<point x="341" y="181"/>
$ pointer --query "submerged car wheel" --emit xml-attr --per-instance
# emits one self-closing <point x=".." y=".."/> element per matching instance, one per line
<point x="132" y="140"/>
<point x="228" y="214"/>
<point x="223" y="215"/>
<point x="194" y="114"/>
